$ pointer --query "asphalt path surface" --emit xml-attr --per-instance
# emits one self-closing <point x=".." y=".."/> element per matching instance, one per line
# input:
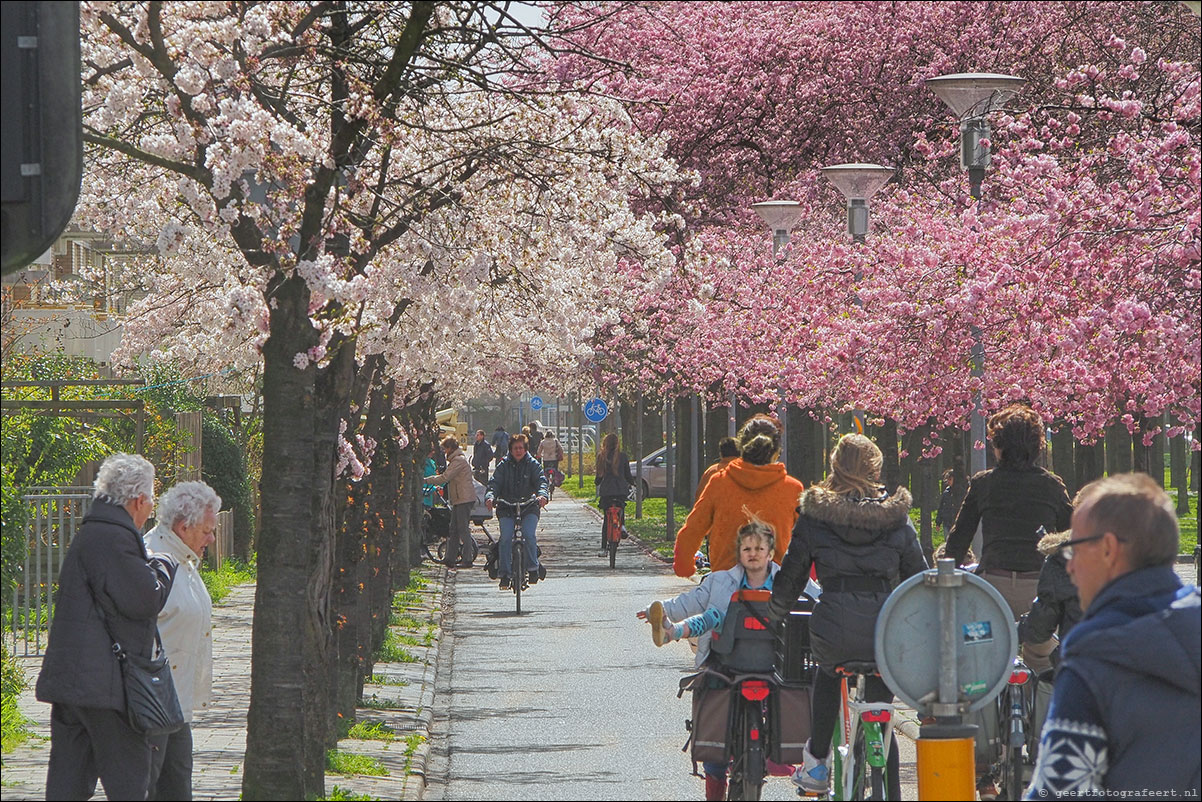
<point x="571" y="699"/>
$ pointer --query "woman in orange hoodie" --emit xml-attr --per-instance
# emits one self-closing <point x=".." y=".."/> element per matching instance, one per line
<point x="755" y="480"/>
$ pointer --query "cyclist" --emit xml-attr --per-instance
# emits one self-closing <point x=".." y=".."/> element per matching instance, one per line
<point x="549" y="453"/>
<point x="860" y="538"/>
<point x="518" y="476"/>
<point x="1054" y="611"/>
<point x="613" y="482"/>
<point x="700" y="611"/>
<point x="755" y="479"/>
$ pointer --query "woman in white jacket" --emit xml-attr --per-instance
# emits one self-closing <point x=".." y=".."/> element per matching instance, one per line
<point x="187" y="525"/>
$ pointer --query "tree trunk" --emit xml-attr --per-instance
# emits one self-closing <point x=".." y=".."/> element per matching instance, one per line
<point x="682" y="468"/>
<point x="887" y="442"/>
<point x="1118" y="449"/>
<point x="1179" y="471"/>
<point x="1090" y="462"/>
<point x="286" y="721"/>
<point x="799" y="429"/>
<point x="1062" y="456"/>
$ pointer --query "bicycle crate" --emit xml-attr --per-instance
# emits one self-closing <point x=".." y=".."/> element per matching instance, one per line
<point x="794" y="660"/>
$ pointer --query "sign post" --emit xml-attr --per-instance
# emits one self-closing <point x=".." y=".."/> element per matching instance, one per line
<point x="945" y="641"/>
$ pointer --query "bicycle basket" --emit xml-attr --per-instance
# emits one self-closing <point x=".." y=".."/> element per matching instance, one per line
<point x="745" y="644"/>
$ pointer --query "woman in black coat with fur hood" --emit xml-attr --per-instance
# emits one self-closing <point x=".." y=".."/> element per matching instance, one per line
<point x="862" y="543"/>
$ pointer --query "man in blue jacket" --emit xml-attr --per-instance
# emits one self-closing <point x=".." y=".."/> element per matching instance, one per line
<point x="1124" y="714"/>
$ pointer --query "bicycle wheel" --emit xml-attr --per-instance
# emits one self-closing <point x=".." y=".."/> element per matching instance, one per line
<point x="519" y="572"/>
<point x="1012" y="786"/>
<point x="859" y="765"/>
<point x="877" y="786"/>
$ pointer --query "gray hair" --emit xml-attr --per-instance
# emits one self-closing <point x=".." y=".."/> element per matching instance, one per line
<point x="124" y="477"/>
<point x="187" y="502"/>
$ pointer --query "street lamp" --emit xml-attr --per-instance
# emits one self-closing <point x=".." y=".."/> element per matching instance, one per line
<point x="858" y="183"/>
<point x="780" y="216"/>
<point x="972" y="96"/>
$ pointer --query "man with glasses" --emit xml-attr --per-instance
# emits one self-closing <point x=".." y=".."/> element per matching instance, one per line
<point x="1124" y="713"/>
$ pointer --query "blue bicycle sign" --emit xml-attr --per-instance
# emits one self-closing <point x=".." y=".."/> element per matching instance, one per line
<point x="536" y="403"/>
<point x="596" y="410"/>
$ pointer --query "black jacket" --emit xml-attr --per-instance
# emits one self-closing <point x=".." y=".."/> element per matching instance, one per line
<point x="1056" y="608"/>
<point x="106" y="565"/>
<point x="615" y="484"/>
<point x="949" y="504"/>
<point x="514" y="480"/>
<point x="1010" y="503"/>
<point x="482" y="455"/>
<point x="862" y="548"/>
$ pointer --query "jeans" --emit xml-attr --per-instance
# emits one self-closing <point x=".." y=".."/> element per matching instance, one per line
<point x="507" y="524"/>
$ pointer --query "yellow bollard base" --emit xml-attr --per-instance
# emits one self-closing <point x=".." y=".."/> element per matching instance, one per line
<point x="945" y="763"/>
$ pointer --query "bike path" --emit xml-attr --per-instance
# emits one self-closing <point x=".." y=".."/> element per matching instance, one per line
<point x="569" y="700"/>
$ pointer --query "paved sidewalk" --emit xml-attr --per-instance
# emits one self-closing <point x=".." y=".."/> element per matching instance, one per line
<point x="404" y="705"/>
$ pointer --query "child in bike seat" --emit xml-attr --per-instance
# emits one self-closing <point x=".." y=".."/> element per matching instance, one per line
<point x="700" y="612"/>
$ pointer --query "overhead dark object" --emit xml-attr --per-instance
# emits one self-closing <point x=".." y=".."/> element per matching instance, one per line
<point x="41" y="126"/>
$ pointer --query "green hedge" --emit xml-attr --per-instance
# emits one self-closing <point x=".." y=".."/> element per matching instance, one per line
<point x="224" y="468"/>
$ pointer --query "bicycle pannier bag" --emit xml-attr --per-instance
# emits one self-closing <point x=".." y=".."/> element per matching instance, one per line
<point x="711" y="720"/>
<point x="557" y="477"/>
<point x="790" y="722"/>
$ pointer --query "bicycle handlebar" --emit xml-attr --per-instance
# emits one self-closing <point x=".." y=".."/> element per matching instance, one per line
<point x="516" y="505"/>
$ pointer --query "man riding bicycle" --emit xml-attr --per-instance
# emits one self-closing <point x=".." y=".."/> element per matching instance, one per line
<point x="518" y="476"/>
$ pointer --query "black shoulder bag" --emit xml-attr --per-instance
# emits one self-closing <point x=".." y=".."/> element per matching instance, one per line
<point x="151" y="704"/>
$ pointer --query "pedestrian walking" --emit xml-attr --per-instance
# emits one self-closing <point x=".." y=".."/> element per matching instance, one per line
<point x="482" y="454"/>
<point x="536" y="436"/>
<point x="186" y="526"/>
<point x="1124" y="714"/>
<point x="108" y="583"/>
<point x="954" y="488"/>
<point x="500" y="443"/>
<point x="458" y="479"/>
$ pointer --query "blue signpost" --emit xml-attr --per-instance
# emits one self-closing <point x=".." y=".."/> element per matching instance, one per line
<point x="596" y="410"/>
<point x="536" y="403"/>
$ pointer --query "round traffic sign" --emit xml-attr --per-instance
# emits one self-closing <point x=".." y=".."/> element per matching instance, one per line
<point x="910" y="627"/>
<point x="536" y="403"/>
<point x="596" y="410"/>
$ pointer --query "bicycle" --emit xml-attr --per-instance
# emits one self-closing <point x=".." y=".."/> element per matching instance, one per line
<point x="1014" y="709"/>
<point x="611" y="530"/>
<point x="518" y="579"/>
<point x="863" y="737"/>
<point x="739" y="702"/>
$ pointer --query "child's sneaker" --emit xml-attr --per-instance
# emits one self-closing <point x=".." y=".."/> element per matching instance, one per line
<point x="662" y="630"/>
<point x="813" y="775"/>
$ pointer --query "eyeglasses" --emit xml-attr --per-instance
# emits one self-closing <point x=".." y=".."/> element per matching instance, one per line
<point x="1066" y="548"/>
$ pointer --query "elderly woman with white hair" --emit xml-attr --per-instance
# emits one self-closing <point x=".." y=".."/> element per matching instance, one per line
<point x="187" y="525"/>
<point x="108" y="583"/>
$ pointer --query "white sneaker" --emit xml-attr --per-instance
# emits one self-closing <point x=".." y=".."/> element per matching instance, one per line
<point x="813" y="775"/>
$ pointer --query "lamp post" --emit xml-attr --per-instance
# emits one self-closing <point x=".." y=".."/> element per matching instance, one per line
<point x="972" y="96"/>
<point x="780" y="216"/>
<point x="858" y="183"/>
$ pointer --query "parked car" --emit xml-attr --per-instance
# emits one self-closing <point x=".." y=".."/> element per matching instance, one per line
<point x="655" y="474"/>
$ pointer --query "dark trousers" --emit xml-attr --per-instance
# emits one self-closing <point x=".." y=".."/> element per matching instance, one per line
<point x="825" y="715"/>
<point x="457" y="547"/>
<point x="171" y="766"/>
<point x="87" y="743"/>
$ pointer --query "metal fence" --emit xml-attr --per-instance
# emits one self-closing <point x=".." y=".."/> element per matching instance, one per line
<point x="52" y="516"/>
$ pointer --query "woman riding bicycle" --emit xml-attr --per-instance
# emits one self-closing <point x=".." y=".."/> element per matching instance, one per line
<point x="613" y="482"/>
<point x="860" y="539"/>
<point x="755" y="480"/>
<point x="518" y="477"/>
